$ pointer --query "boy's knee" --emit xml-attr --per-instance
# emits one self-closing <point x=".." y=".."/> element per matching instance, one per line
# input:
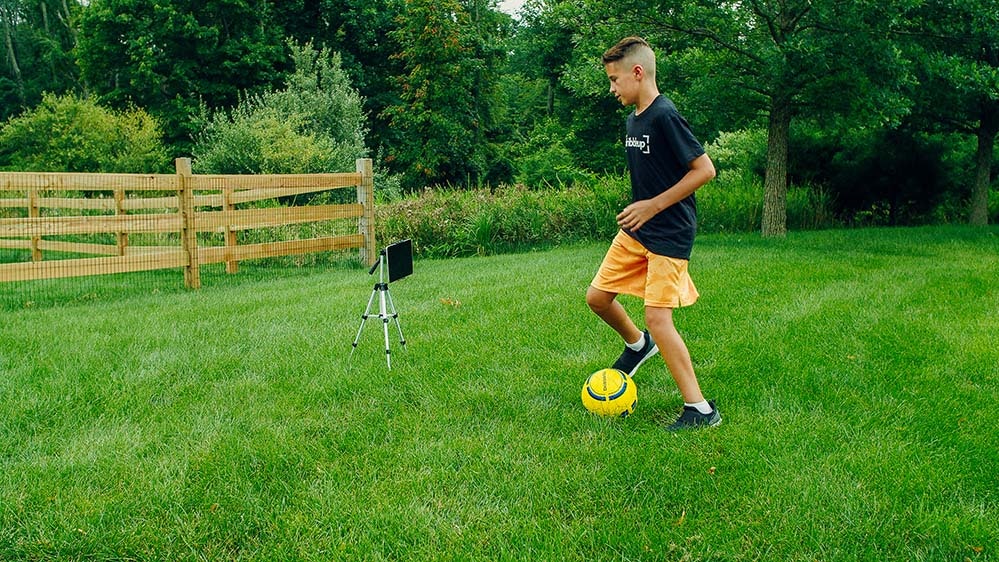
<point x="598" y="300"/>
<point x="659" y="320"/>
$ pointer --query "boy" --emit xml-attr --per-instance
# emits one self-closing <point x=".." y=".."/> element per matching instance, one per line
<point x="648" y="257"/>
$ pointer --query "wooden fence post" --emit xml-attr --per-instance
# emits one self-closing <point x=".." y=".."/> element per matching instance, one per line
<point x="34" y="212"/>
<point x="119" y="209"/>
<point x="189" y="231"/>
<point x="231" y="265"/>
<point x="366" y="223"/>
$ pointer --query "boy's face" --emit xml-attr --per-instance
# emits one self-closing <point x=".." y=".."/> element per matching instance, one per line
<point x="624" y="81"/>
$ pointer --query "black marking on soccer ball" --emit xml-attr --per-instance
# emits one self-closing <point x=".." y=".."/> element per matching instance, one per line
<point x="634" y="405"/>
<point x="616" y="395"/>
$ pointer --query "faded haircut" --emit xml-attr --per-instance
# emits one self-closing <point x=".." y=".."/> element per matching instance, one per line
<point x="634" y="50"/>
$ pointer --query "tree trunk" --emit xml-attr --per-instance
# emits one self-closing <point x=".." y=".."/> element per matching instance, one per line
<point x="45" y="18"/>
<point x="775" y="180"/>
<point x="64" y="18"/>
<point x="12" y="54"/>
<point x="987" y="130"/>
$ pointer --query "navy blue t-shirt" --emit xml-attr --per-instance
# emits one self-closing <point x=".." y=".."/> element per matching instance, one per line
<point x="660" y="147"/>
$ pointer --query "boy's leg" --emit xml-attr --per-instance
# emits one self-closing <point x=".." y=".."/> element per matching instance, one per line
<point x="639" y="345"/>
<point x="623" y="270"/>
<point x="605" y="305"/>
<point x="673" y="349"/>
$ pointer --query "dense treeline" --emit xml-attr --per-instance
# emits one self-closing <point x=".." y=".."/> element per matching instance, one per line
<point x="888" y="110"/>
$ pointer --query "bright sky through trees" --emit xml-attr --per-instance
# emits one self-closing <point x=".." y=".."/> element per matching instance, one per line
<point x="511" y="6"/>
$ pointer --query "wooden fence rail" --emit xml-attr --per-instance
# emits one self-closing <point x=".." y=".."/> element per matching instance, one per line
<point x="203" y="203"/>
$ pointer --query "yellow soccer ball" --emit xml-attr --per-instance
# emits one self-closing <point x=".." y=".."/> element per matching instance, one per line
<point x="610" y="393"/>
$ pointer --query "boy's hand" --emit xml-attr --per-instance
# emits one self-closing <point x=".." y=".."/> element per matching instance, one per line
<point x="638" y="213"/>
<point x="700" y="172"/>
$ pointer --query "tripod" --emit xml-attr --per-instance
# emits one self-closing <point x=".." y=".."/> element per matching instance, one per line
<point x="386" y="308"/>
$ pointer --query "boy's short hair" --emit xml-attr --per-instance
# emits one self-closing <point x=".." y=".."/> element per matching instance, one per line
<point x="636" y="50"/>
<point x="624" y="48"/>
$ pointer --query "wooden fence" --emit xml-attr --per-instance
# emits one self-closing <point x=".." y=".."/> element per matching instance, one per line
<point x="202" y="203"/>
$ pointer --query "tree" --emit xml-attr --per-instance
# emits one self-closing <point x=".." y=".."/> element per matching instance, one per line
<point x="776" y="58"/>
<point x="38" y="41"/>
<point x="955" y="44"/>
<point x="450" y="52"/>
<point x="543" y="45"/>
<point x="169" y="56"/>
<point x="547" y="94"/>
<point x="10" y="14"/>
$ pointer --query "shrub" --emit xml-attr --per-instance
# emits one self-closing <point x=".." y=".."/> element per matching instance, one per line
<point x="742" y="153"/>
<point x="72" y="134"/>
<point x="314" y="125"/>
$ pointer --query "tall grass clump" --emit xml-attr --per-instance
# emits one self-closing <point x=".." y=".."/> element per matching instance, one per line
<point x="453" y="223"/>
<point x="732" y="202"/>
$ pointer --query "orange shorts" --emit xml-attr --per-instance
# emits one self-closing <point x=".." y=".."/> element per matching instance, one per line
<point x="628" y="268"/>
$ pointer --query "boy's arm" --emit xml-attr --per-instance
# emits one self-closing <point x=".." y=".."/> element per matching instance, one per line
<point x="701" y="171"/>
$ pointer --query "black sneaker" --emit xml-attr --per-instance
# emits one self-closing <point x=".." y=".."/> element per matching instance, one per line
<point x="691" y="418"/>
<point x="631" y="360"/>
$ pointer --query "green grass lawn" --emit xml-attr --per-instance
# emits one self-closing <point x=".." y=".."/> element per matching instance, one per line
<point x="857" y="373"/>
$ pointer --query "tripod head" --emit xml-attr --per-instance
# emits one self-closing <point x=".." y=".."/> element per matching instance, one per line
<point x="399" y="259"/>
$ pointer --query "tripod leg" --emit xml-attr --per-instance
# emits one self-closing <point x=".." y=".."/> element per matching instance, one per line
<point x="364" y="318"/>
<point x="395" y="316"/>
<point x="385" y="320"/>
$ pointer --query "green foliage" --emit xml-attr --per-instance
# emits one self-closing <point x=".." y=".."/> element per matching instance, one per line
<point x="782" y="56"/>
<point x="549" y="88"/>
<point x="887" y="177"/>
<point x="730" y="203"/>
<point x="544" y="160"/>
<point x="457" y="93"/>
<point x="742" y="153"/>
<point x="37" y="46"/>
<point x="864" y="177"/>
<point x="70" y="134"/>
<point x="734" y="203"/>
<point x="952" y="46"/>
<point x="447" y="223"/>
<point x="262" y="140"/>
<point x="314" y="125"/>
<point x="360" y="30"/>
